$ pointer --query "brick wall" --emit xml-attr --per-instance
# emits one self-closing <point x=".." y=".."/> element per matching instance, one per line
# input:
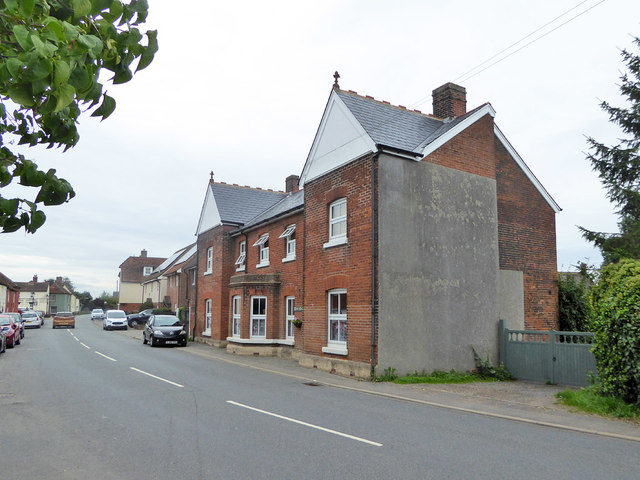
<point x="527" y="241"/>
<point x="215" y="286"/>
<point x="343" y="266"/>
<point x="470" y="151"/>
<point x="288" y="274"/>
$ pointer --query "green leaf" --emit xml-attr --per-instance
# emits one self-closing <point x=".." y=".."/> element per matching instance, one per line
<point x="107" y="107"/>
<point x="44" y="49"/>
<point x="81" y="8"/>
<point x="62" y="72"/>
<point x="22" y="35"/>
<point x="14" y="66"/>
<point x="54" y="27"/>
<point x="147" y="55"/>
<point x="12" y="5"/>
<point x="27" y="7"/>
<point x="37" y="220"/>
<point x="21" y="94"/>
<point x="37" y="68"/>
<point x="65" y="95"/>
<point x="92" y="43"/>
<point x="100" y="5"/>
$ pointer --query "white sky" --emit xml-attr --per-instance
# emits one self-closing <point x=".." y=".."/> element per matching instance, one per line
<point x="239" y="88"/>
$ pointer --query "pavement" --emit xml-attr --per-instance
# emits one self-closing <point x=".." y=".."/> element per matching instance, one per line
<point x="521" y="401"/>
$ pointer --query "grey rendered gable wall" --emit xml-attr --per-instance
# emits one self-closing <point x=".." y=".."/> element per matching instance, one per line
<point x="438" y="267"/>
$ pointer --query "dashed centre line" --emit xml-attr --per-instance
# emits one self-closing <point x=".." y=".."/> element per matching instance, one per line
<point x="299" y="422"/>
<point x="156" y="377"/>
<point x="106" y="356"/>
<point x="85" y="345"/>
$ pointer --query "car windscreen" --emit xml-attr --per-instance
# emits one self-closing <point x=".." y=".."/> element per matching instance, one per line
<point x="5" y="321"/>
<point x="116" y="315"/>
<point x="167" y="321"/>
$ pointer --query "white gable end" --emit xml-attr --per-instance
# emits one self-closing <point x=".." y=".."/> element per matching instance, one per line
<point x="209" y="216"/>
<point x="340" y="139"/>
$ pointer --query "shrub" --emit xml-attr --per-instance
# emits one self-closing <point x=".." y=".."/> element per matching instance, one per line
<point x="573" y="304"/>
<point x="146" y="305"/>
<point x="615" y="302"/>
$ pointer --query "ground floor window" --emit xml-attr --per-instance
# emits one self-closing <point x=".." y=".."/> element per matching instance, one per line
<point x="338" y="317"/>
<point x="207" y="317"/>
<point x="235" y="316"/>
<point x="259" y="317"/>
<point x="290" y="316"/>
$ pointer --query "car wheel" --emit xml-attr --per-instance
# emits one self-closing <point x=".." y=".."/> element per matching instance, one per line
<point x="17" y="341"/>
<point x="152" y="341"/>
<point x="184" y="344"/>
<point x="144" y="340"/>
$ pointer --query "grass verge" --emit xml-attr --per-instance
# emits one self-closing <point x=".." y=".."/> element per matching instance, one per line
<point x="588" y="400"/>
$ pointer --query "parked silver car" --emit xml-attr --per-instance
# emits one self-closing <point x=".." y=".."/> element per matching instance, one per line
<point x="115" y="319"/>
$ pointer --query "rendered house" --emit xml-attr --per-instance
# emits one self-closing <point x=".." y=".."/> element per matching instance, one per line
<point x="411" y="236"/>
<point x="34" y="295"/>
<point x="181" y="284"/>
<point x="9" y="294"/>
<point x="156" y="286"/>
<point x="133" y="271"/>
<point x="61" y="299"/>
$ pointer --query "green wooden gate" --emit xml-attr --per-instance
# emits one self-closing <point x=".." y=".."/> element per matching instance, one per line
<point x="548" y="356"/>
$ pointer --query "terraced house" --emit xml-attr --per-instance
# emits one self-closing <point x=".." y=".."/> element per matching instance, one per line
<point x="403" y="241"/>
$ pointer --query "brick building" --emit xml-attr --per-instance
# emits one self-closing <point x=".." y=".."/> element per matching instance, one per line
<point x="9" y="294"/>
<point x="133" y="271"/>
<point x="404" y="240"/>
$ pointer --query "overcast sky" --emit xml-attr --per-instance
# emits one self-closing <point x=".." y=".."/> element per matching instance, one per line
<point x="238" y="88"/>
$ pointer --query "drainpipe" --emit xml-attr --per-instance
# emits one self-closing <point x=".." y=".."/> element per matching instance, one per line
<point x="374" y="260"/>
<point x="195" y="310"/>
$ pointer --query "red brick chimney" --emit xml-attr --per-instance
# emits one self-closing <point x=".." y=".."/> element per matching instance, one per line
<point x="59" y="280"/>
<point x="449" y="100"/>
<point x="35" y="279"/>
<point x="291" y="183"/>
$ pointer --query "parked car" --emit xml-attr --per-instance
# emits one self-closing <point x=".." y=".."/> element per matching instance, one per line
<point x="164" y="330"/>
<point x="97" y="314"/>
<point x="11" y="330"/>
<point x="64" y="319"/>
<point x="3" y="342"/>
<point x="114" y="319"/>
<point x="139" y="318"/>
<point x="31" y="319"/>
<point x="18" y="319"/>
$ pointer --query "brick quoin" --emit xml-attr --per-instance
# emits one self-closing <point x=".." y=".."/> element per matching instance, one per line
<point x="343" y="266"/>
<point x="527" y="241"/>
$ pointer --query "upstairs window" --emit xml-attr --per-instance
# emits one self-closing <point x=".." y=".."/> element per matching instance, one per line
<point x="290" y="246"/>
<point x="146" y="271"/>
<point x="337" y="223"/>
<point x="242" y="257"/>
<point x="263" y="244"/>
<point x="209" y="260"/>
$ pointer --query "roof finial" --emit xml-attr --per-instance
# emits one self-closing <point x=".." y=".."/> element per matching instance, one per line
<point x="211" y="174"/>
<point x="336" y="76"/>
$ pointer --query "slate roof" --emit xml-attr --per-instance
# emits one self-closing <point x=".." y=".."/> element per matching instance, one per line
<point x="287" y="204"/>
<point x="33" y="287"/>
<point x="238" y="204"/>
<point x="389" y="125"/>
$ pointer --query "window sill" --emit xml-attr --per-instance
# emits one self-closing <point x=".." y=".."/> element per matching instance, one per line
<point x="288" y="259"/>
<point x="260" y="341"/>
<point x="207" y="273"/>
<point x="262" y="265"/>
<point x="206" y="333"/>
<point x="241" y="269"/>
<point x="336" y="350"/>
<point x="335" y="242"/>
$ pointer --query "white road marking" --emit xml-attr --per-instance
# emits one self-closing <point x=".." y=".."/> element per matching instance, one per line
<point x="85" y="345"/>
<point x="105" y="356"/>
<point x="156" y="377"/>
<point x="334" y="432"/>
<point x="77" y="339"/>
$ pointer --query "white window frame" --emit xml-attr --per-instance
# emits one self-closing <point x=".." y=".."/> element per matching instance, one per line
<point x="341" y="238"/>
<point x="209" y="261"/>
<point x="193" y="276"/>
<point x="146" y="271"/>
<point x="263" y="243"/>
<point x="289" y="235"/>
<point x="338" y="347"/>
<point x="242" y="257"/>
<point x="236" y="306"/>
<point x="261" y="318"/>
<point x="207" y="318"/>
<point x="289" y="303"/>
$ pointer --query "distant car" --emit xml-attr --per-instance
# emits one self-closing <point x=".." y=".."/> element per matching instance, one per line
<point x="164" y="330"/>
<point x="139" y="318"/>
<point x="18" y="319"/>
<point x="3" y="342"/>
<point x="31" y="319"/>
<point x="114" y="319"/>
<point x="11" y="330"/>
<point x="97" y="313"/>
<point x="64" y="319"/>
